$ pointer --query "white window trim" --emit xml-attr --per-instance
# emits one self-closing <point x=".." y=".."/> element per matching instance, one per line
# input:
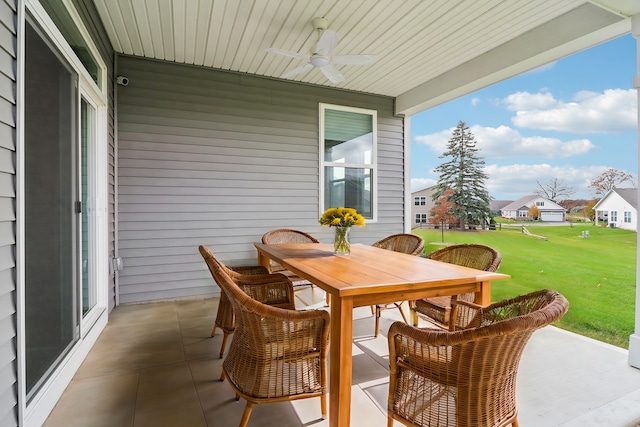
<point x="374" y="157"/>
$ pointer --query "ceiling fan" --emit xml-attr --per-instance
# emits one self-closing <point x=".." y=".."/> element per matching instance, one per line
<point x="322" y="55"/>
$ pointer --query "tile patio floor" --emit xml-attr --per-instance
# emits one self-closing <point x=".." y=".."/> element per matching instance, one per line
<point x="156" y="365"/>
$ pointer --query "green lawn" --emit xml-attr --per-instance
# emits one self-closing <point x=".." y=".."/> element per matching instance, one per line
<point x="596" y="274"/>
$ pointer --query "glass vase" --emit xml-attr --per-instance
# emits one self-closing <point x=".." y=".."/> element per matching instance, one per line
<point x="341" y="243"/>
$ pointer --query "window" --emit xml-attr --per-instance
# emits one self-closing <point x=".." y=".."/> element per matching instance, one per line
<point x="66" y="25"/>
<point x="348" y="140"/>
<point x="539" y="203"/>
<point x="614" y="216"/>
<point x="421" y="218"/>
<point x="420" y="200"/>
<point x="627" y="217"/>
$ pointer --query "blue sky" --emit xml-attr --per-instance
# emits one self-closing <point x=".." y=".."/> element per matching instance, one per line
<point x="571" y="119"/>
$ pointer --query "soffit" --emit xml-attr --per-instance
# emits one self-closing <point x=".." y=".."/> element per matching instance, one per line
<point x="429" y="50"/>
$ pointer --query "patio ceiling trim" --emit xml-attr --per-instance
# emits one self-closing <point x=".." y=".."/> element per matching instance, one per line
<point x="581" y="28"/>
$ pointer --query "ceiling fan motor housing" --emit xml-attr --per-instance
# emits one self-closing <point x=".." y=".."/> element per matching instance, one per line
<point x="318" y="60"/>
<point x="320" y="23"/>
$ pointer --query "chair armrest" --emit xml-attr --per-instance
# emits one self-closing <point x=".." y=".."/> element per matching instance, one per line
<point x="464" y="314"/>
<point x="250" y="269"/>
<point x="256" y="279"/>
<point x="426" y="352"/>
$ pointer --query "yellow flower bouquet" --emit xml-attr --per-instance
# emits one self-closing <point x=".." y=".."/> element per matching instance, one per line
<point x="343" y="219"/>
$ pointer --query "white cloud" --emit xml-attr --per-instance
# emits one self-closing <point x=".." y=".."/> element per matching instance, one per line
<point x="436" y="141"/>
<point x="505" y="142"/>
<point x="526" y="101"/>
<point x="421" y="183"/>
<point x="510" y="182"/>
<point x="475" y="101"/>
<point x="614" y="110"/>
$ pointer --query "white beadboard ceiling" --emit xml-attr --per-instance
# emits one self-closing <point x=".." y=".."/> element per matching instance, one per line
<point x="430" y="51"/>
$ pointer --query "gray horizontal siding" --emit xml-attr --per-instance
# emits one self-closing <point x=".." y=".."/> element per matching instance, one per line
<point x="8" y="319"/>
<point x="216" y="158"/>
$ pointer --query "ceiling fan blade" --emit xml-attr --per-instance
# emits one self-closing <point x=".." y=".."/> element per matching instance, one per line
<point x="332" y="73"/>
<point x="328" y="41"/>
<point x="355" y="59"/>
<point x="296" y="71"/>
<point x="287" y="53"/>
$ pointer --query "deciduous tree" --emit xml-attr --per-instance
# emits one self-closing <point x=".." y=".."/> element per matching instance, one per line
<point x="555" y="190"/>
<point x="588" y="211"/>
<point x="534" y="212"/>
<point x="463" y="173"/>
<point x="609" y="179"/>
<point x="442" y="212"/>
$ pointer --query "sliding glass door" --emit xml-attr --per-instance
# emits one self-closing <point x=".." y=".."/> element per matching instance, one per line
<point x="62" y="222"/>
<point x="51" y="224"/>
<point x="61" y="188"/>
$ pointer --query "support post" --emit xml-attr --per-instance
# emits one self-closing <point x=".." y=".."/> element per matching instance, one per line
<point x="634" y="340"/>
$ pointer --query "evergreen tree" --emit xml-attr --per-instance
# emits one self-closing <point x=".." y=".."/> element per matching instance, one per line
<point x="464" y="175"/>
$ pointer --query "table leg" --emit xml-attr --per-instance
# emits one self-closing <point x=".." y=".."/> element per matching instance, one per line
<point x="340" y="359"/>
<point x="484" y="296"/>
<point x="264" y="261"/>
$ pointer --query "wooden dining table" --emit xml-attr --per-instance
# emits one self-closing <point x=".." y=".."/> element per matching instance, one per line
<point x="368" y="276"/>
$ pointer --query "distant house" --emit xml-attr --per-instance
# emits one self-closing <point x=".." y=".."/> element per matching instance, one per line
<point x="618" y="208"/>
<point x="497" y="205"/>
<point x="422" y="203"/>
<point x="548" y="209"/>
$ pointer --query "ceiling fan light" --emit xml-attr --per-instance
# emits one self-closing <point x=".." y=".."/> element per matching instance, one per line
<point x="319" y="60"/>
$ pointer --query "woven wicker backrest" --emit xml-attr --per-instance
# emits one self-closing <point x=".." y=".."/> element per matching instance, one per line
<point x="271" y="289"/>
<point x="468" y="376"/>
<point x="406" y="243"/>
<point x="286" y="235"/>
<point x="480" y="257"/>
<point x="221" y="275"/>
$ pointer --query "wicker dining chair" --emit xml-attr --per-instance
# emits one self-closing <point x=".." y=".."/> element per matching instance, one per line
<point x="467" y="377"/>
<point x="411" y="244"/>
<point x="249" y="278"/>
<point x="437" y="310"/>
<point x="288" y="235"/>
<point x="276" y="354"/>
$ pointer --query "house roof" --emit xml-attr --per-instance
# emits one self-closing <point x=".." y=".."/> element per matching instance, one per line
<point x="422" y="191"/>
<point x="630" y="195"/>
<point x="429" y="51"/>
<point x="496" y="205"/>
<point x="526" y="201"/>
